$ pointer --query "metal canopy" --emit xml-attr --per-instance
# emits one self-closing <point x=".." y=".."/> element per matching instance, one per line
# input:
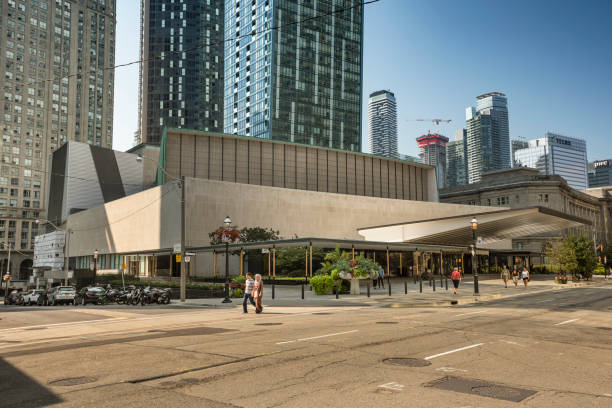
<point x="492" y="227"/>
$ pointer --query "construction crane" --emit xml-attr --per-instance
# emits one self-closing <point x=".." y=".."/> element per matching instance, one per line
<point x="436" y="121"/>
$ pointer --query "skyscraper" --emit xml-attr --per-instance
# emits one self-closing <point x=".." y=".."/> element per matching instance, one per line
<point x="456" y="163"/>
<point x="517" y="144"/>
<point x="382" y="123"/>
<point x="557" y="154"/>
<point x="432" y="149"/>
<point x="300" y="82"/>
<point x="58" y="86"/>
<point x="601" y="174"/>
<point x="181" y="77"/>
<point x="488" y="135"/>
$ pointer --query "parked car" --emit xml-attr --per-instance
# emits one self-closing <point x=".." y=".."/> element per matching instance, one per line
<point x="31" y="298"/>
<point x="61" y="295"/>
<point x="15" y="297"/>
<point x="90" y="294"/>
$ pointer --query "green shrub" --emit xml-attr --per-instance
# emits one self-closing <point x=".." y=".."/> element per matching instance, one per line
<point x="239" y="280"/>
<point x="238" y="293"/>
<point x="322" y="284"/>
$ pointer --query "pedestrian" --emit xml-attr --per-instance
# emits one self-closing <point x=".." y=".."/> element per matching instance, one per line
<point x="515" y="276"/>
<point x="248" y="290"/>
<point x="258" y="293"/>
<point x="525" y="276"/>
<point x="381" y="277"/>
<point x="456" y="278"/>
<point x="505" y="274"/>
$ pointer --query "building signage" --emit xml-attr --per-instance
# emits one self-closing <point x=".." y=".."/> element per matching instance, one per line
<point x="601" y="163"/>
<point x="560" y="141"/>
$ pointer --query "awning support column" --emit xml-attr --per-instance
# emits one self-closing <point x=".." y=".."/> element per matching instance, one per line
<point x="306" y="262"/>
<point x="214" y="263"/>
<point x="388" y="270"/>
<point x="311" y="259"/>
<point x="274" y="261"/>
<point x="241" y="262"/>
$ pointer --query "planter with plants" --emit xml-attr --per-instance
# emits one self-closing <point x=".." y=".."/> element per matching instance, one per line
<point x="561" y="279"/>
<point x="339" y="267"/>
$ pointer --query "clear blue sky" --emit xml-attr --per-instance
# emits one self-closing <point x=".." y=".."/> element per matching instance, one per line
<point x="553" y="59"/>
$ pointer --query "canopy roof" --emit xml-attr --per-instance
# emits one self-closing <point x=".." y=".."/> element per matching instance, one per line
<point x="492" y="227"/>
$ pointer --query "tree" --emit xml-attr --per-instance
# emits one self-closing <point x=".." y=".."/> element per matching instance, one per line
<point x="552" y="250"/>
<point x="586" y="258"/>
<point x="292" y="261"/>
<point x="567" y="256"/>
<point x="258" y="234"/>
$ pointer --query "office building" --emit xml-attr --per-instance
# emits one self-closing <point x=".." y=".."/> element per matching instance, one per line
<point x="488" y="135"/>
<point x="299" y="83"/>
<point x="456" y="160"/>
<point x="600" y="175"/>
<point x="517" y="144"/>
<point x="58" y="86"/>
<point x="432" y="148"/>
<point x="557" y="154"/>
<point x="382" y="123"/>
<point x="181" y="78"/>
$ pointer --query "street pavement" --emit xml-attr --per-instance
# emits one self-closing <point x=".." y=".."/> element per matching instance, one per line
<point x="544" y="346"/>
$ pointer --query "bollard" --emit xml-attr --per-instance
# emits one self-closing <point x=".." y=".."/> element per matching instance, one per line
<point x="405" y="287"/>
<point x="302" y="291"/>
<point x="414" y="277"/>
<point x="368" y="285"/>
<point x="420" y="284"/>
<point x="441" y="283"/>
<point x="429" y="280"/>
<point x="336" y="289"/>
<point x="446" y="282"/>
<point x="434" y="285"/>
<point x="389" y="284"/>
<point x="273" y="287"/>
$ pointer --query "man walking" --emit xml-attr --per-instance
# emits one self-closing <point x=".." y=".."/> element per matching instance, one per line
<point x="381" y="278"/>
<point x="248" y="290"/>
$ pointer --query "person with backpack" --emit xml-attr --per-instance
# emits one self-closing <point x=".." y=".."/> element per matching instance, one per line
<point x="456" y="278"/>
<point x="515" y="276"/>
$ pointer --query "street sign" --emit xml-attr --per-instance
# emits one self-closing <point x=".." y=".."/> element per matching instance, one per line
<point x="70" y="274"/>
<point x="187" y="258"/>
<point x="123" y="266"/>
<point x="265" y="250"/>
<point x="178" y="258"/>
<point x="50" y="280"/>
<point x="479" y="241"/>
<point x="176" y="249"/>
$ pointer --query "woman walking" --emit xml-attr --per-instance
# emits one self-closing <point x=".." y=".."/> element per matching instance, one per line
<point x="456" y="278"/>
<point x="525" y="276"/>
<point x="515" y="276"/>
<point x="258" y="293"/>
<point x="505" y="274"/>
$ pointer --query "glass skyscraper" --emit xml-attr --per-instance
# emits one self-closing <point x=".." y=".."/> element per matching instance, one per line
<point x="456" y="163"/>
<point x="601" y="174"/>
<point x="300" y="82"/>
<point x="488" y="135"/>
<point x="181" y="78"/>
<point x="382" y="124"/>
<point x="557" y="154"/>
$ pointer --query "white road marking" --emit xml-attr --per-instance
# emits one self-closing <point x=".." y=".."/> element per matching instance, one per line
<point x="450" y="370"/>
<point x="607" y="395"/>
<point x="566" y="322"/>
<point x="470" y="313"/>
<point x="61" y="324"/>
<point x="453" y="351"/>
<point x="545" y="301"/>
<point x="393" y="386"/>
<point x="317" y="337"/>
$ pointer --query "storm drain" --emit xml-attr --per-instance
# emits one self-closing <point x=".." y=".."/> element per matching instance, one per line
<point x="482" y="388"/>
<point x="267" y="324"/>
<point x="69" y="382"/>
<point x="407" y="362"/>
<point x="386" y="322"/>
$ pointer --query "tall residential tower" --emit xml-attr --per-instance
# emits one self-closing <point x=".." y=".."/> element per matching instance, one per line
<point x="488" y="135"/>
<point x="382" y="124"/>
<point x="456" y="164"/>
<point x="181" y="78"/>
<point x="300" y="82"/>
<point x="432" y="149"/>
<point x="58" y="86"/>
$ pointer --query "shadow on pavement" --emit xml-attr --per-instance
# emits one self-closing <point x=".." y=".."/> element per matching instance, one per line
<point x="20" y="390"/>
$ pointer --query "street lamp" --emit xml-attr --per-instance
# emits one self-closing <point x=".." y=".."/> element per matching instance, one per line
<point x="8" y="271"/>
<point x="95" y="269"/>
<point x="66" y="246"/>
<point x="227" y="225"/>
<point x="181" y="181"/>
<point x="474" y="225"/>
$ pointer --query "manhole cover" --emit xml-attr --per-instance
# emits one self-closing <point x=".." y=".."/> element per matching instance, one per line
<point x="386" y="322"/>
<point x="267" y="324"/>
<point x="68" y="382"/>
<point x="482" y="388"/>
<point x="407" y="362"/>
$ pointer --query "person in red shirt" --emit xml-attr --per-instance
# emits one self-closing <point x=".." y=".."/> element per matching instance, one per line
<point x="456" y="278"/>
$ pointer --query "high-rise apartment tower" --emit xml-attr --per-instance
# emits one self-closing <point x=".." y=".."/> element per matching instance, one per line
<point x="181" y="78"/>
<point x="382" y="123"/>
<point x="293" y="71"/>
<point x="488" y="135"/>
<point x="456" y="164"/>
<point x="58" y="86"/>
<point x="432" y="149"/>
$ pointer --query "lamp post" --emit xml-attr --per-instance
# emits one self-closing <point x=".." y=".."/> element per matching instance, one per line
<point x="181" y="182"/>
<point x="8" y="272"/>
<point x="227" y="225"/>
<point x="95" y="269"/>
<point x="474" y="225"/>
<point x="66" y="246"/>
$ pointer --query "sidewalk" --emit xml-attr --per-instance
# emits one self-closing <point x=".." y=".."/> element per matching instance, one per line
<point x="489" y="288"/>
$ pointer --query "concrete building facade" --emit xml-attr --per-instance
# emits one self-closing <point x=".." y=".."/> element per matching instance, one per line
<point x="181" y="77"/>
<point x="300" y="82"/>
<point x="382" y="124"/>
<point x="57" y="87"/>
<point x="557" y="154"/>
<point x="488" y="135"/>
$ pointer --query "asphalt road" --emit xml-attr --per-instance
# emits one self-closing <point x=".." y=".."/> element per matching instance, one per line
<point x="547" y="349"/>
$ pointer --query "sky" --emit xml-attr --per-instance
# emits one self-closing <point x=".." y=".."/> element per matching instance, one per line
<point x="553" y="60"/>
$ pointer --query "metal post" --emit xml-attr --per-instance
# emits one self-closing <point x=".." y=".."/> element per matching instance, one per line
<point x="269" y="263"/>
<point x="389" y="284"/>
<point x="302" y="291"/>
<point x="434" y="284"/>
<point x="214" y="264"/>
<point x="400" y="272"/>
<point x="241" y="262"/>
<point x="446" y="282"/>
<point x="353" y="250"/>
<point x="8" y="272"/>
<point x="95" y="258"/>
<point x="183" y="271"/>
<point x="420" y="284"/>
<point x="274" y="261"/>
<point x="310" y="260"/>
<point x="273" y="288"/>
<point x="306" y="264"/>
<point x="405" y="287"/>
<point x="227" y="298"/>
<point x="474" y="270"/>
<point x="66" y="256"/>
<point x="337" y="289"/>
<point x="368" y="286"/>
